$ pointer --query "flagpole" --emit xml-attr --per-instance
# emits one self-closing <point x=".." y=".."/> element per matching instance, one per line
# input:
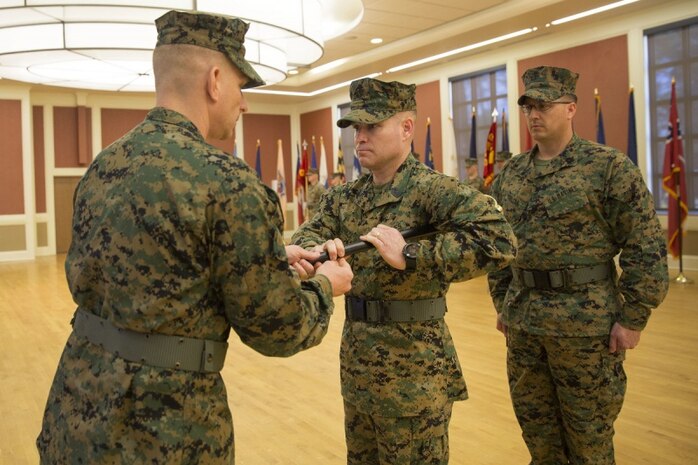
<point x="681" y="278"/>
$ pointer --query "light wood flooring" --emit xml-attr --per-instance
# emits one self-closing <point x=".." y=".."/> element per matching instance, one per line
<point x="289" y="411"/>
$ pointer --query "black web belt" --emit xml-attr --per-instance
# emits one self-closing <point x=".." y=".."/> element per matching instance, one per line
<point x="159" y="350"/>
<point x="389" y="311"/>
<point x="557" y="279"/>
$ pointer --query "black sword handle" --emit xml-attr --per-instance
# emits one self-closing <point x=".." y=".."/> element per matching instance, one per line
<point x="360" y="246"/>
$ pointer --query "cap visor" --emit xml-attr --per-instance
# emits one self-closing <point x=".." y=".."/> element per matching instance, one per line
<point x="362" y="117"/>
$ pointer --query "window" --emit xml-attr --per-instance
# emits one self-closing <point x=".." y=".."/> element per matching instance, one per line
<point x="672" y="51"/>
<point x="484" y="91"/>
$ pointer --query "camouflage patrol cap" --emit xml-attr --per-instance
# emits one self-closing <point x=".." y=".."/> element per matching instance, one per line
<point x="224" y="34"/>
<point x="313" y="171"/>
<point x="470" y="162"/>
<point x="373" y="101"/>
<point x="548" y="83"/>
<point x="504" y="155"/>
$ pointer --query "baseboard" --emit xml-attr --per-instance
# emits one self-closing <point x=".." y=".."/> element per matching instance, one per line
<point x="690" y="262"/>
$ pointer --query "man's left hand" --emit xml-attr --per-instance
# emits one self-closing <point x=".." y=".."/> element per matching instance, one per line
<point x="389" y="243"/>
<point x="298" y="259"/>
<point x="622" y="338"/>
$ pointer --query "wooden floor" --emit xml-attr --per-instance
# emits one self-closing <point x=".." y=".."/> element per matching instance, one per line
<point x="289" y="411"/>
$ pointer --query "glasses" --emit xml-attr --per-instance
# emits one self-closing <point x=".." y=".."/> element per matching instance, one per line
<point x="540" y="107"/>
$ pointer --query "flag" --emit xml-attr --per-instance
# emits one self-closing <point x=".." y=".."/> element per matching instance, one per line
<point x="339" y="166"/>
<point x="356" y="174"/>
<point x="473" y="135"/>
<point x="490" y="150"/>
<point x="301" y="181"/>
<point x="280" y="181"/>
<point x="674" y="179"/>
<point x="313" y="158"/>
<point x="600" y="133"/>
<point x="412" y="146"/>
<point x="505" y="132"/>
<point x="632" y="133"/>
<point x="258" y="161"/>
<point x="235" y="150"/>
<point x="529" y="140"/>
<point x="428" y="154"/>
<point x="323" y="164"/>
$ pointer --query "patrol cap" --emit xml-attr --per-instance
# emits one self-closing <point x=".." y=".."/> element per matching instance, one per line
<point x="313" y="171"/>
<point x="373" y="101"/>
<point x="470" y="162"/>
<point x="548" y="83"/>
<point x="222" y="33"/>
<point x="504" y="155"/>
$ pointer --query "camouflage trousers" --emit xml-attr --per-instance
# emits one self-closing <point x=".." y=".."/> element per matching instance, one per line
<point x="376" y="440"/>
<point x="567" y="392"/>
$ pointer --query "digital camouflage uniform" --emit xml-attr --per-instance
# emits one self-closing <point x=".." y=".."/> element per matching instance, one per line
<point x="404" y="377"/>
<point x="477" y="182"/>
<point x="171" y="236"/>
<point x="581" y="208"/>
<point x="315" y="192"/>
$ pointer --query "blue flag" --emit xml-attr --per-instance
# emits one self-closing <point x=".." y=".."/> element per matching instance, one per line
<point x="505" y="132"/>
<point x="428" y="154"/>
<point x="258" y="162"/>
<point x="632" y="133"/>
<point x="357" y="167"/>
<point x="473" y="136"/>
<point x="600" y="133"/>
<point x="412" y="146"/>
<point x="313" y="157"/>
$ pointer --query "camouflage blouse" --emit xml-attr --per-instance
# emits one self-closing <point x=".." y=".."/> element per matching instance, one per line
<point x="171" y="236"/>
<point x="583" y="208"/>
<point x="402" y="369"/>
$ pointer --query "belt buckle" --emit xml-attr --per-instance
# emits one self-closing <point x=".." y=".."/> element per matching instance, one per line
<point x="528" y="278"/>
<point x="355" y="308"/>
<point x="557" y="279"/>
<point x="541" y="279"/>
<point x="373" y="311"/>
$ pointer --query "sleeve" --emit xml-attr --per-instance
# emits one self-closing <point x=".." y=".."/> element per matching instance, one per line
<point x="264" y="300"/>
<point x="324" y="226"/>
<point x="499" y="280"/>
<point x="479" y="239"/>
<point x="629" y="210"/>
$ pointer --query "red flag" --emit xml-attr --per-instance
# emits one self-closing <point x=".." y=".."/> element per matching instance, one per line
<point x="301" y="182"/>
<point x="674" y="179"/>
<point x="529" y="141"/>
<point x="490" y="149"/>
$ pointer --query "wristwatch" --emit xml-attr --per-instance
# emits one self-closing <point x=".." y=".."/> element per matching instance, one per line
<point x="410" y="252"/>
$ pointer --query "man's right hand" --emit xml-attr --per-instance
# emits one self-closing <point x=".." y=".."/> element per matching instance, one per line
<point x="339" y="273"/>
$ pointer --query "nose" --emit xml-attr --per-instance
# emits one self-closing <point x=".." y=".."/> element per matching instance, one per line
<point x="360" y="134"/>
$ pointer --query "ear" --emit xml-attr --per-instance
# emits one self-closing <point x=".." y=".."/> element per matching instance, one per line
<point x="407" y="126"/>
<point x="213" y="83"/>
<point x="571" y="110"/>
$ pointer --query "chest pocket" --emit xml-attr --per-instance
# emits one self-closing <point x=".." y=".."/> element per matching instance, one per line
<point x="566" y="202"/>
<point x="573" y="217"/>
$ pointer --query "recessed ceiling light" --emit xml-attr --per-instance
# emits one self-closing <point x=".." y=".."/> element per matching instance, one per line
<point x="376" y="40"/>
<point x="293" y="71"/>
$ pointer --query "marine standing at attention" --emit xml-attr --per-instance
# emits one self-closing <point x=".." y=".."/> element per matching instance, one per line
<point x="399" y="369"/>
<point x="175" y="243"/>
<point x="574" y="205"/>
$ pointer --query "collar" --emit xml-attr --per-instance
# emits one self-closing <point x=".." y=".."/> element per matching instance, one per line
<point x="566" y="158"/>
<point x="167" y="116"/>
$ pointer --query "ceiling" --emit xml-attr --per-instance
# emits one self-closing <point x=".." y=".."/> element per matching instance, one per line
<point x="415" y="29"/>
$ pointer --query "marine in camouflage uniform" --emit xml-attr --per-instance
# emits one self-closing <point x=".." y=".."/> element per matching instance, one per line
<point x="574" y="205"/>
<point x="174" y="242"/>
<point x="472" y="179"/>
<point x="399" y="379"/>
<point x="315" y="191"/>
